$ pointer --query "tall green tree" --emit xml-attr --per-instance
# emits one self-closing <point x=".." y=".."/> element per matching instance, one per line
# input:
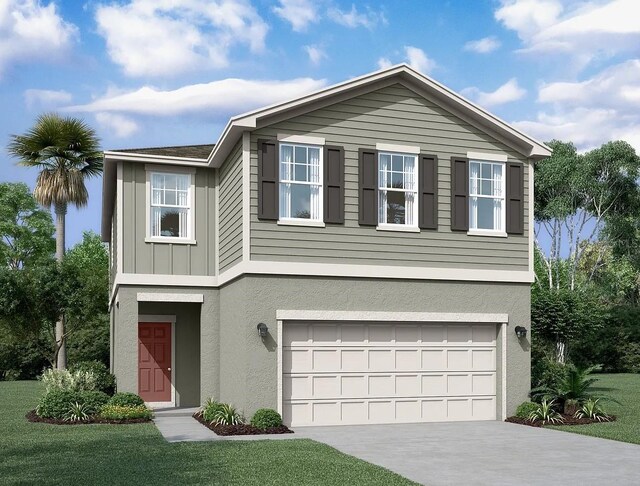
<point x="26" y="231"/>
<point x="67" y="152"/>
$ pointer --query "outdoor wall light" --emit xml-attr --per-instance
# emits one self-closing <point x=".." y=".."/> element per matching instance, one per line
<point x="262" y="329"/>
<point x="521" y="332"/>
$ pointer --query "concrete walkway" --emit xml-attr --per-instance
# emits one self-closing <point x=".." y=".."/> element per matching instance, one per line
<point x="482" y="453"/>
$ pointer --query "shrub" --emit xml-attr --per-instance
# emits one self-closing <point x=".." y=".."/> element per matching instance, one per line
<point x="56" y="403"/>
<point x="210" y="409"/>
<point x="525" y="408"/>
<point x="117" y="412"/>
<point x="546" y="412"/>
<point x="266" y="418"/>
<point x="592" y="409"/>
<point x="228" y="415"/>
<point x="77" y="413"/>
<point x="546" y="373"/>
<point x="630" y="358"/>
<point x="105" y="381"/>
<point x="65" y="380"/>
<point x="126" y="399"/>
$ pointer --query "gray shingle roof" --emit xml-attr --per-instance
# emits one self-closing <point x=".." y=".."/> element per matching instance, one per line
<point x="187" y="151"/>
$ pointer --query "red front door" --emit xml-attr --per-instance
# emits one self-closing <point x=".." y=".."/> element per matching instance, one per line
<point x="154" y="361"/>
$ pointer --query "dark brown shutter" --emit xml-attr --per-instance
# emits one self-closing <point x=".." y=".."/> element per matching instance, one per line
<point x="333" y="184"/>
<point x="515" y="198"/>
<point x="428" y="192"/>
<point x="268" y="179"/>
<point x="368" y="185"/>
<point x="459" y="194"/>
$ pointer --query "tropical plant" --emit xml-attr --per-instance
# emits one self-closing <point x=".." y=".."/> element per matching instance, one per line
<point x="266" y="418"/>
<point x="592" y="409"/>
<point x="546" y="412"/>
<point x="77" y="413"/>
<point x="65" y="380"/>
<point x="228" y="415"/>
<point x="525" y="409"/>
<point x="209" y="410"/>
<point x="66" y="150"/>
<point x="573" y="389"/>
<point x="126" y="399"/>
<point x="116" y="412"/>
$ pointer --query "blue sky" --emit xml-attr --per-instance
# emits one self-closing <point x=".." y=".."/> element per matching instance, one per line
<point x="171" y="72"/>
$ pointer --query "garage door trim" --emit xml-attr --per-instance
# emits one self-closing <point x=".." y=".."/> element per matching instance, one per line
<point x="502" y="320"/>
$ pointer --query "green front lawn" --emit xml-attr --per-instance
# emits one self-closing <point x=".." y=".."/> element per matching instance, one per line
<point x="129" y="454"/>
<point x="626" y="389"/>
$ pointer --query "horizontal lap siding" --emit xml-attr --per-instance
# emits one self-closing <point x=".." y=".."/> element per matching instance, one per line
<point x="389" y="115"/>
<point x="165" y="258"/>
<point x="231" y="209"/>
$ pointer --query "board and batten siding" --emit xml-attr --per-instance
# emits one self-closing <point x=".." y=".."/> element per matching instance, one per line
<point x="231" y="209"/>
<point x="167" y="258"/>
<point x="394" y="115"/>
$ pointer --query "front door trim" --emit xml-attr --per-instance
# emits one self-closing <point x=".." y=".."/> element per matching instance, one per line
<point x="172" y="320"/>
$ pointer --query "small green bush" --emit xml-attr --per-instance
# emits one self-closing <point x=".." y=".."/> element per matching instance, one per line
<point x="126" y="399"/>
<point x="57" y="403"/>
<point x="116" y="412"/>
<point x="105" y="381"/>
<point x="266" y="418"/>
<point x="210" y="410"/>
<point x="525" y="408"/>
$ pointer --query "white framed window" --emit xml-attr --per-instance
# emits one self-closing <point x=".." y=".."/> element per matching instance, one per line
<point x="397" y="190"/>
<point x="300" y="183"/>
<point x="170" y="211"/>
<point x="487" y="191"/>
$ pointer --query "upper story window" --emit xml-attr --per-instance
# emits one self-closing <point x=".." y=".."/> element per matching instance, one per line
<point x="170" y="206"/>
<point x="397" y="189"/>
<point x="486" y="196"/>
<point x="300" y="182"/>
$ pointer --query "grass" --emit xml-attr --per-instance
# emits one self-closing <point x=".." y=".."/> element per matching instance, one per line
<point x="625" y="388"/>
<point x="128" y="454"/>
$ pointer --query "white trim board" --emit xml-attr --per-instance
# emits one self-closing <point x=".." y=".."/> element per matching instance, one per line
<point x="282" y="137"/>
<point x="403" y="149"/>
<point x="384" y="316"/>
<point x="480" y="156"/>
<point x="246" y="197"/>
<point x="168" y="297"/>
<point x="172" y="320"/>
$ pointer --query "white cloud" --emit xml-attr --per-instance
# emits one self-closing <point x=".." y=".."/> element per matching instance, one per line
<point x="31" y="30"/>
<point x="165" y="37"/>
<point x="508" y="92"/>
<point x="218" y="99"/>
<point x="352" y="18"/>
<point x="315" y="53"/>
<point x="46" y="98"/>
<point x="483" y="46"/>
<point x="120" y="126"/>
<point x="384" y="63"/>
<point x="590" y="112"/>
<point x="299" y="13"/>
<point x="418" y="60"/>
<point x="587" y="30"/>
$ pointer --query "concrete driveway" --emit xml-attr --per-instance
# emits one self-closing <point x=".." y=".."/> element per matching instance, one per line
<point x="488" y="453"/>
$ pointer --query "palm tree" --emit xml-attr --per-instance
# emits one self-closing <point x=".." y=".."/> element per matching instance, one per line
<point x="67" y="151"/>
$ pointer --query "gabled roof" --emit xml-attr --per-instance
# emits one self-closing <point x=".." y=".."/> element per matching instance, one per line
<point x="402" y="73"/>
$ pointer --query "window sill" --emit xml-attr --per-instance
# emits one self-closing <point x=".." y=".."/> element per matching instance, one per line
<point x="168" y="240"/>
<point x="398" y="227"/>
<point x="300" y="222"/>
<point x="495" y="234"/>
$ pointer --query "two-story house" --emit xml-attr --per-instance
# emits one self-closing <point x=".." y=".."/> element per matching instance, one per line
<point x="362" y="254"/>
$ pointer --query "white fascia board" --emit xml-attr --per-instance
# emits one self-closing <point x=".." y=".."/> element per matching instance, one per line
<point x="155" y="159"/>
<point x="169" y="297"/>
<point x="384" y="316"/>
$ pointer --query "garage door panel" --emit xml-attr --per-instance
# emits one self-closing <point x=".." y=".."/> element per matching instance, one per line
<point x="387" y="373"/>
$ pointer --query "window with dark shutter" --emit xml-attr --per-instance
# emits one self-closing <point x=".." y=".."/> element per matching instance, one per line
<point x="333" y="184"/>
<point x="368" y="187"/>
<point x="428" y="192"/>
<point x="515" y="198"/>
<point x="268" y="179"/>
<point x="459" y="194"/>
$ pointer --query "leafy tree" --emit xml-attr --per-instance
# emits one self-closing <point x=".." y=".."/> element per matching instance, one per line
<point x="66" y="150"/>
<point x="26" y="231"/>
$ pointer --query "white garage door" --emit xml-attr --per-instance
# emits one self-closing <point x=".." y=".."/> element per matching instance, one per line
<point x="356" y="373"/>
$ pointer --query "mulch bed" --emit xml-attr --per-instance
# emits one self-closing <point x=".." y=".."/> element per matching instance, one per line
<point x="566" y="420"/>
<point x="31" y="416"/>
<point x="241" y="429"/>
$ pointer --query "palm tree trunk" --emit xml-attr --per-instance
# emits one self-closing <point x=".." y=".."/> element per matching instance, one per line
<point x="61" y="212"/>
